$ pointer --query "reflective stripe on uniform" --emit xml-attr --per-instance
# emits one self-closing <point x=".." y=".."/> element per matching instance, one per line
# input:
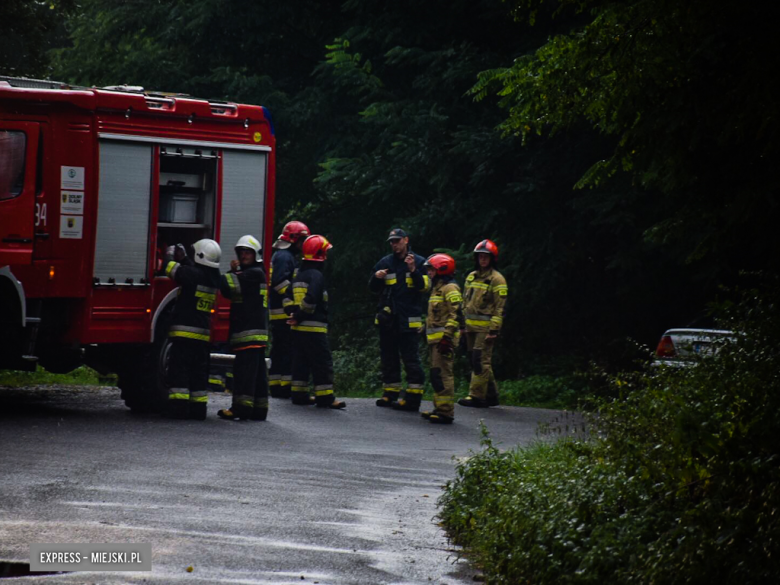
<point x="426" y="283"/>
<point x="170" y="269"/>
<point x="323" y="389"/>
<point x="311" y="327"/>
<point x="390" y="279"/>
<point x="199" y="396"/>
<point x="415" y="322"/>
<point x="235" y="287"/>
<point x="178" y="394"/>
<point x="274" y="380"/>
<point x="278" y="314"/>
<point x="496" y="320"/>
<point x="244" y="400"/>
<point x="435" y="299"/>
<point x="453" y="296"/>
<point x="189" y="332"/>
<point x="249" y="335"/>
<point x="435" y="333"/>
<point x="478" y="320"/>
<point x="479" y="285"/>
<point x="452" y="323"/>
<point x="281" y="288"/>
<point x="415" y="389"/>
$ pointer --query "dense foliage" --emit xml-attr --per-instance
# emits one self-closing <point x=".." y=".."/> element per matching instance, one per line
<point x="679" y="483"/>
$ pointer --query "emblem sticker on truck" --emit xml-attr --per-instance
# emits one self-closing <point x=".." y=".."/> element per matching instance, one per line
<point x="72" y="202"/>
<point x="71" y="227"/>
<point x="72" y="178"/>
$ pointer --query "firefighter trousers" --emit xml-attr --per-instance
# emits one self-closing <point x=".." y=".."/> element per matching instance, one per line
<point x="250" y="382"/>
<point x="280" y="375"/>
<point x="480" y="353"/>
<point x="396" y="346"/>
<point x="443" y="381"/>
<point x="188" y="375"/>
<point x="311" y="356"/>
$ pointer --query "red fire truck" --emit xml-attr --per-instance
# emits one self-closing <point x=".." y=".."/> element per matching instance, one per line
<point x="95" y="184"/>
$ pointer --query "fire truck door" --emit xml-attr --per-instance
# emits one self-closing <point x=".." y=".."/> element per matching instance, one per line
<point x="18" y="162"/>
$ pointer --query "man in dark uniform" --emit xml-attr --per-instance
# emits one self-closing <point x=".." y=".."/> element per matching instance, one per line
<point x="309" y="323"/>
<point x="283" y="266"/>
<point x="401" y="281"/>
<point x="246" y="287"/>
<point x="190" y="331"/>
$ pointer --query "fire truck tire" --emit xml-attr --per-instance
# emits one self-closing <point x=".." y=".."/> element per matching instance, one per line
<point x="143" y="377"/>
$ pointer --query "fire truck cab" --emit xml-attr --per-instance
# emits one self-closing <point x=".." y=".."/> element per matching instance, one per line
<point x="95" y="184"/>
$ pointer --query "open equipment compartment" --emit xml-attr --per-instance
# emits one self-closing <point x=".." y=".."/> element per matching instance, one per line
<point x="187" y="202"/>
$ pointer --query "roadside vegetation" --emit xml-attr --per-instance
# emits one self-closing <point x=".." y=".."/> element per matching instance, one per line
<point x="678" y="482"/>
<point x="82" y="376"/>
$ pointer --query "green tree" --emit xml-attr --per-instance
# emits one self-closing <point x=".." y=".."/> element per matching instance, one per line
<point x="685" y="90"/>
<point x="28" y="29"/>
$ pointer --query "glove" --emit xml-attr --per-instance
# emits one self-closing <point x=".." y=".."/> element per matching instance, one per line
<point x="169" y="251"/>
<point x="179" y="253"/>
<point x="446" y="349"/>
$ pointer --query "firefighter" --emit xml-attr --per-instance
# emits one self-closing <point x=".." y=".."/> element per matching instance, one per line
<point x="443" y="335"/>
<point x="309" y="324"/>
<point x="190" y="331"/>
<point x="245" y="286"/>
<point x="283" y="266"/>
<point x="484" y="307"/>
<point x="401" y="280"/>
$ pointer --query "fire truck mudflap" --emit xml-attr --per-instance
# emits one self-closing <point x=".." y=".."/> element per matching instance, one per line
<point x="95" y="184"/>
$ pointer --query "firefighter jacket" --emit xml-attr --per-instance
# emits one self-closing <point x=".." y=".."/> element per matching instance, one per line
<point x="401" y="291"/>
<point x="197" y="294"/>
<point x="283" y="266"/>
<point x="485" y="300"/>
<point x="248" y="294"/>
<point x="443" y="311"/>
<point x="307" y="299"/>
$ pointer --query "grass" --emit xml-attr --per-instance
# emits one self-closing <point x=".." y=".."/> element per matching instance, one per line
<point x="82" y="376"/>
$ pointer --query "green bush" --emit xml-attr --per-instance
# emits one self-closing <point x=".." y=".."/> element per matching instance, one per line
<point x="82" y="376"/>
<point x="679" y="483"/>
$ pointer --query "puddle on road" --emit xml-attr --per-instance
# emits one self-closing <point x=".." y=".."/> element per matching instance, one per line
<point x="10" y="570"/>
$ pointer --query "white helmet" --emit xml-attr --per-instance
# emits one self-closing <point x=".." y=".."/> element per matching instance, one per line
<point x="207" y="252"/>
<point x="251" y="243"/>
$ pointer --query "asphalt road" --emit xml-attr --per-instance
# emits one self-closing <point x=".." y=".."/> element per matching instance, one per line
<point x="308" y="496"/>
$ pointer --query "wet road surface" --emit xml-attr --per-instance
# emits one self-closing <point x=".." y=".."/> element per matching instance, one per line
<point x="308" y="496"/>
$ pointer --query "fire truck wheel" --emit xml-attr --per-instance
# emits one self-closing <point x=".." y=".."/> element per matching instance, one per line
<point x="143" y="379"/>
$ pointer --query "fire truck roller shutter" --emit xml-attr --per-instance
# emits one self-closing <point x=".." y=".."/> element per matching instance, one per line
<point x="122" y="241"/>
<point x="243" y="199"/>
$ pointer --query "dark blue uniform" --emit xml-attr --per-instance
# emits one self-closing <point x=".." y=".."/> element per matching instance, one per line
<point x="399" y="319"/>
<point x="190" y="334"/>
<point x="248" y="294"/>
<point x="283" y="266"/>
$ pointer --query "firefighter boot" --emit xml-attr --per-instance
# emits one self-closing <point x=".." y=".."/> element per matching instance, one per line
<point x="228" y="414"/>
<point x="259" y="413"/>
<point x="405" y="405"/>
<point x="198" y="410"/>
<point x="176" y="409"/>
<point x="473" y="402"/>
<point x="441" y="419"/>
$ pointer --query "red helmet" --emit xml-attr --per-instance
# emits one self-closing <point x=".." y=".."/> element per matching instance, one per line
<point x="487" y="247"/>
<point x="294" y="231"/>
<point x="315" y="248"/>
<point x="442" y="263"/>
